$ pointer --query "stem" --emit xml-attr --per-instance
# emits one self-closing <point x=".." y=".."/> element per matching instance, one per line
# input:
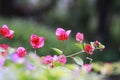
<point x="83" y="45"/>
<point x="35" y="52"/>
<point x="1" y="37"/>
<point x="75" y="54"/>
<point x="89" y="59"/>
<point x="63" y="46"/>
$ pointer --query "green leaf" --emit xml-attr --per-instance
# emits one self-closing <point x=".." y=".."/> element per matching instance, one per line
<point x="58" y="50"/>
<point x="78" y="60"/>
<point x="56" y="64"/>
<point x="85" y="43"/>
<point x="101" y="46"/>
<point x="79" y="45"/>
<point x="7" y="62"/>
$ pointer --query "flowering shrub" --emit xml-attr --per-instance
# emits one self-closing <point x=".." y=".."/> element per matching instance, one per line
<point x="32" y="61"/>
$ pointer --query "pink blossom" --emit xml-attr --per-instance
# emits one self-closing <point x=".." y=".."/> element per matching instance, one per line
<point x="79" y="37"/>
<point x="36" y="41"/>
<point x="21" y="52"/>
<point x="50" y="60"/>
<point x="87" y="68"/>
<point x="55" y="58"/>
<point x="47" y="59"/>
<point x="6" y="32"/>
<point x="62" y="59"/>
<point x="88" y="49"/>
<point x="62" y="34"/>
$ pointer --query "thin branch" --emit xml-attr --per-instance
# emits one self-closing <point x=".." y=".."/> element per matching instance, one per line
<point x="75" y="54"/>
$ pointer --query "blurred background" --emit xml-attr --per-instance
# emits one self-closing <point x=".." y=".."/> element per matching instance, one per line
<point x="97" y="19"/>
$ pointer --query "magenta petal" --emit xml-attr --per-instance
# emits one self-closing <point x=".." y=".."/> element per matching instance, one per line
<point x="5" y="26"/>
<point x="41" y="43"/>
<point x="68" y="32"/>
<point x="59" y="30"/>
<point x="36" y="41"/>
<point x="87" y="67"/>
<point x="10" y="35"/>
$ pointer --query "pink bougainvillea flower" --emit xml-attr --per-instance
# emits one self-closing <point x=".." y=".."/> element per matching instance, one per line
<point x="50" y="60"/>
<point x="47" y="59"/>
<point x="21" y="52"/>
<point x="62" y="59"/>
<point x="36" y="41"/>
<point x="55" y="58"/>
<point x="6" y="32"/>
<point x="87" y="68"/>
<point x="88" y="49"/>
<point x="79" y="37"/>
<point x="62" y="34"/>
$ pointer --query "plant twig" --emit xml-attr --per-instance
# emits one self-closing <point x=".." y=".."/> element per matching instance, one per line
<point x="89" y="59"/>
<point x="35" y="53"/>
<point x="75" y="54"/>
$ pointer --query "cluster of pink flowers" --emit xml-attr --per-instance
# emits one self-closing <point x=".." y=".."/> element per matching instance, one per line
<point x="51" y="60"/>
<point x="35" y="41"/>
<point x="38" y="42"/>
<point x="88" y="48"/>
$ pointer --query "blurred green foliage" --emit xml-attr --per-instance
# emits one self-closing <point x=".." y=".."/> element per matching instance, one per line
<point x="115" y="29"/>
<point x="82" y="16"/>
<point x="23" y="30"/>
